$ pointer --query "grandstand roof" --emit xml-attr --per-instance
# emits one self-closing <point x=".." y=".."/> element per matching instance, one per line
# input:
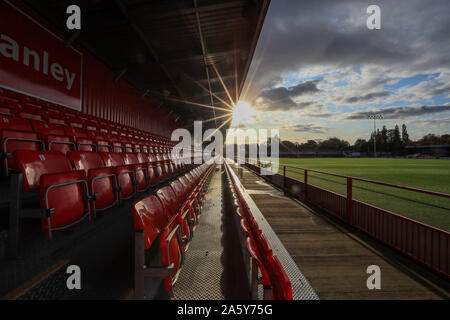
<point x="170" y="49"/>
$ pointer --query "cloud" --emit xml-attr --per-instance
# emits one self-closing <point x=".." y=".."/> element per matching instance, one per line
<point x="396" y="69"/>
<point x="282" y="98"/>
<point x="398" y="112"/>
<point x="322" y="115"/>
<point x="367" y="97"/>
<point x="310" y="127"/>
<point x="433" y="122"/>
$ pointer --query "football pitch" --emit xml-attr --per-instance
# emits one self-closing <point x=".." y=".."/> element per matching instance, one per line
<point x="428" y="174"/>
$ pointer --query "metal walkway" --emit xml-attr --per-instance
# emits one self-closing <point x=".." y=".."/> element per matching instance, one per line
<point x="333" y="258"/>
<point x="213" y="268"/>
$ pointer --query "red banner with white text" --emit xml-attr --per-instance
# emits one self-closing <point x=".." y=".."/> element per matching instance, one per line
<point x="34" y="61"/>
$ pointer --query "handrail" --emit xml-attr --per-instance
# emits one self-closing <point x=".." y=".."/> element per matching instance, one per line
<point x="429" y="192"/>
<point x="423" y="243"/>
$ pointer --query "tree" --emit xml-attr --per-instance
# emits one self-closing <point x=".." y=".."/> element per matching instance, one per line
<point x="334" y="144"/>
<point x="361" y="145"/>
<point x="396" y="139"/>
<point x="308" y="146"/>
<point x="384" y="139"/>
<point x="405" y="135"/>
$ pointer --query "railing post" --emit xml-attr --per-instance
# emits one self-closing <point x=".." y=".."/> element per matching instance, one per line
<point x="284" y="179"/>
<point x="349" y="200"/>
<point x="306" y="183"/>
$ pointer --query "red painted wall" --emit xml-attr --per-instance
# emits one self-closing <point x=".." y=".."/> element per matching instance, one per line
<point x="101" y="96"/>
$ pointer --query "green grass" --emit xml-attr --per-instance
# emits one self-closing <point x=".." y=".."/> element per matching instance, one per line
<point x="418" y="173"/>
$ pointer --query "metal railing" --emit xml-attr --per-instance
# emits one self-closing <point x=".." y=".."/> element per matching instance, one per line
<point x="421" y="242"/>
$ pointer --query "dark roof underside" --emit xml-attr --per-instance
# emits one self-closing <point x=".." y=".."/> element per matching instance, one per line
<point x="171" y="49"/>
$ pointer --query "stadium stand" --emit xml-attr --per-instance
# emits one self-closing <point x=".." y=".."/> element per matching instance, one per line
<point x="66" y="171"/>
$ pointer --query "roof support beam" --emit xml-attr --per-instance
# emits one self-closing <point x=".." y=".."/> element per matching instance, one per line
<point x="71" y="38"/>
<point x="204" y="52"/>
<point x="121" y="73"/>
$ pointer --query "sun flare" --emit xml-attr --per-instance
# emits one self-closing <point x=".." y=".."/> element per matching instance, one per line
<point x="243" y="114"/>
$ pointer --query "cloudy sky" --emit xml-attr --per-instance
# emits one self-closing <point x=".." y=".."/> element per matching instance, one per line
<point x="319" y="72"/>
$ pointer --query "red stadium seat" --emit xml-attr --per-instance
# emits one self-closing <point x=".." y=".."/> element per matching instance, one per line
<point x="15" y="134"/>
<point x="54" y="136"/>
<point x="102" y="181"/>
<point x="156" y="167"/>
<point x="124" y="174"/>
<point x="83" y="142"/>
<point x="151" y="222"/>
<point x="63" y="193"/>
<point x="140" y="170"/>
<point x="187" y="215"/>
<point x="258" y="264"/>
<point x="282" y="288"/>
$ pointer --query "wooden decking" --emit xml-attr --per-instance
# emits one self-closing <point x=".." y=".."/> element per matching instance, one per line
<point x="333" y="258"/>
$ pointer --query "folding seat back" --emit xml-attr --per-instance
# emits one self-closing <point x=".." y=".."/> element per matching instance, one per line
<point x="76" y="124"/>
<point x="159" y="157"/>
<point x="30" y="116"/>
<point x="187" y="214"/>
<point x="5" y="109"/>
<point x="159" y="175"/>
<point x="254" y="253"/>
<point x="149" y="216"/>
<point x="127" y="147"/>
<point x="144" y="160"/>
<point x="112" y="159"/>
<point x="85" y="160"/>
<point x="15" y="123"/>
<point x="103" y="185"/>
<point x="56" y="119"/>
<point x="102" y="181"/>
<point x="282" y="288"/>
<point x="192" y="178"/>
<point x="142" y="157"/>
<point x="140" y="170"/>
<point x="63" y="193"/>
<point x="136" y="147"/>
<point x="265" y="249"/>
<point x="186" y="184"/>
<point x="47" y="128"/>
<point x="16" y="134"/>
<point x="91" y="127"/>
<point x="34" y="164"/>
<point x="179" y="191"/>
<point x="117" y="146"/>
<point x="66" y="195"/>
<point x="245" y="227"/>
<point x="189" y="181"/>
<point x="129" y="158"/>
<point x="169" y="200"/>
<point x="125" y="175"/>
<point x="103" y="145"/>
<point x="81" y="138"/>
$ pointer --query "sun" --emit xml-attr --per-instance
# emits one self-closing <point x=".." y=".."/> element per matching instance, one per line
<point x="243" y="114"/>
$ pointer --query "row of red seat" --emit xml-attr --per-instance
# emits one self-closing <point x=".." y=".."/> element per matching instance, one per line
<point x="75" y="186"/>
<point x="30" y="126"/>
<point x="274" y="278"/>
<point x="27" y="107"/>
<point x="170" y="217"/>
